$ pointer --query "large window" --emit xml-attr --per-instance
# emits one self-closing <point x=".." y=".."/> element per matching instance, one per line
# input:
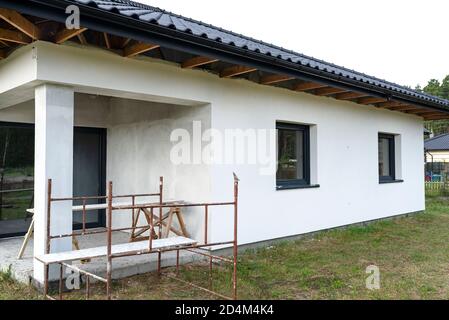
<point x="16" y="178"/>
<point x="17" y="175"/>
<point x="293" y="168"/>
<point x="386" y="158"/>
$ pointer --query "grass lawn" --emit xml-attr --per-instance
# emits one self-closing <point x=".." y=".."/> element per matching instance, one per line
<point x="412" y="255"/>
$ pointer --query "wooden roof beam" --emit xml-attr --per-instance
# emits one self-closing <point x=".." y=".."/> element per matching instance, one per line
<point x="439" y="117"/>
<point x="370" y="100"/>
<point x="391" y="104"/>
<point x="351" y="95"/>
<point x="329" y="91"/>
<point x="67" y="34"/>
<point x="3" y="54"/>
<point x="403" y="108"/>
<point x="14" y="36"/>
<point x="138" y="48"/>
<point x="106" y="40"/>
<point x="6" y="44"/>
<point x="275" y="78"/>
<point x="197" y="61"/>
<point x="305" y="86"/>
<point x="125" y="42"/>
<point x="20" y="22"/>
<point x="236" y="71"/>
<point x="82" y="39"/>
<point x="419" y="111"/>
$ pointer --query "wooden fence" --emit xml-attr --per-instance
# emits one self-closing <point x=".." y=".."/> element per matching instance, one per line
<point x="437" y="185"/>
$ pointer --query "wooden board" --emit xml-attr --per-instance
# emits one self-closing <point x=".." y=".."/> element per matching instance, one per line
<point x="159" y="244"/>
<point x="115" y="204"/>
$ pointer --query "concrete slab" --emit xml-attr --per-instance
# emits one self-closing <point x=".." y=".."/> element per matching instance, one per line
<point x="22" y="270"/>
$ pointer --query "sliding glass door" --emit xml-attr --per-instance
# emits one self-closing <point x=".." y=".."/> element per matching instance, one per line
<point x="17" y="174"/>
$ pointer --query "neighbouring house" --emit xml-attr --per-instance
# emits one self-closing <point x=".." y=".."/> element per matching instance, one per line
<point x="437" y="157"/>
<point x="101" y="102"/>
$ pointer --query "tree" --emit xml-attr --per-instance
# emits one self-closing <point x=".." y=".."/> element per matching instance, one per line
<point x="435" y="88"/>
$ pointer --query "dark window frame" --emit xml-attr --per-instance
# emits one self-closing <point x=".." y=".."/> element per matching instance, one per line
<point x="296" y="183"/>
<point x="392" y="157"/>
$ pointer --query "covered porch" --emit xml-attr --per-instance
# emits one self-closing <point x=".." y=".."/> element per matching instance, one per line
<point x="82" y="140"/>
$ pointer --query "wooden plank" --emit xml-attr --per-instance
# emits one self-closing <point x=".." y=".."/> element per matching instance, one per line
<point x="138" y="48"/>
<point x="106" y="40"/>
<point x="370" y="100"/>
<point x="125" y="43"/>
<point x="390" y="104"/>
<point x="420" y="111"/>
<point x="6" y="44"/>
<point x="82" y="39"/>
<point x="156" y="221"/>
<point x="26" y="240"/>
<point x="182" y="223"/>
<point x="329" y="91"/>
<point x="169" y="223"/>
<point x="235" y="71"/>
<point x="350" y="95"/>
<point x="197" y="61"/>
<point x="67" y="34"/>
<point x="442" y="117"/>
<point x="141" y="246"/>
<point x="20" y="22"/>
<point x="14" y="36"/>
<point x="428" y="113"/>
<point x="305" y="86"/>
<point x="402" y="108"/>
<point x="275" y="78"/>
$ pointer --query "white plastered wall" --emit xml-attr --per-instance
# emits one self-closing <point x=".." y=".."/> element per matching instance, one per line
<point x="345" y="133"/>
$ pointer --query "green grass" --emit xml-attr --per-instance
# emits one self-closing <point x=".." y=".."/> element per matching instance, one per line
<point x="411" y="253"/>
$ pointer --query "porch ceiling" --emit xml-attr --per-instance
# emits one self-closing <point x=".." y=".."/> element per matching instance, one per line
<point x="18" y="29"/>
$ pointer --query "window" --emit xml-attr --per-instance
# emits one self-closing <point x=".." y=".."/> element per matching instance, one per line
<point x="293" y="168"/>
<point x="386" y="158"/>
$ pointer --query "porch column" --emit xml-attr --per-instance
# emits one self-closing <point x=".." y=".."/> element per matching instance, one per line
<point x="53" y="159"/>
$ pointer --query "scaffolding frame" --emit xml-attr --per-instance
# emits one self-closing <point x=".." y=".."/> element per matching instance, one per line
<point x="204" y="249"/>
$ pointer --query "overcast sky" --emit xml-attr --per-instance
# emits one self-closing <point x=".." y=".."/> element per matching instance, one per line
<point x="404" y="41"/>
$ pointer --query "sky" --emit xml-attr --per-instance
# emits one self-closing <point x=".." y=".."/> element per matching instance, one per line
<point x="403" y="41"/>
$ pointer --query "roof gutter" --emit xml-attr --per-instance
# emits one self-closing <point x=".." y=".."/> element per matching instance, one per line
<point x="100" y="20"/>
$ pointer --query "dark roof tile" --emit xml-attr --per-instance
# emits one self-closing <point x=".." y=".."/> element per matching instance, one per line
<point x="440" y="142"/>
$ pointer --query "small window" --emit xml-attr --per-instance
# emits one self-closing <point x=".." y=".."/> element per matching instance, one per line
<point x="386" y="158"/>
<point x="293" y="168"/>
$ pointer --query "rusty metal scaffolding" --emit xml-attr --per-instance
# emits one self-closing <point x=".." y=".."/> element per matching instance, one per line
<point x="203" y="249"/>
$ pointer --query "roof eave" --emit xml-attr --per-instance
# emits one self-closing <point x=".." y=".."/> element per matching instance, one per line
<point x="120" y="25"/>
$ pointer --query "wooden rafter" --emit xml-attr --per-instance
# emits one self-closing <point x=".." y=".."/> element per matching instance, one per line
<point x="402" y="108"/>
<point x="197" y="61"/>
<point x="3" y="54"/>
<point x="67" y="34"/>
<point x="275" y="78"/>
<point x="106" y="40"/>
<point x="329" y="91"/>
<point x="235" y="71"/>
<point x="6" y="44"/>
<point x="125" y="42"/>
<point x="305" y="86"/>
<point x="439" y="117"/>
<point x="14" y="36"/>
<point x="370" y="100"/>
<point x="138" y="48"/>
<point x="82" y="39"/>
<point x="20" y="22"/>
<point x="390" y="104"/>
<point x="350" y="95"/>
<point x="422" y="112"/>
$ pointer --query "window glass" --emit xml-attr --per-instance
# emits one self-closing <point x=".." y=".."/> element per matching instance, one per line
<point x="293" y="154"/>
